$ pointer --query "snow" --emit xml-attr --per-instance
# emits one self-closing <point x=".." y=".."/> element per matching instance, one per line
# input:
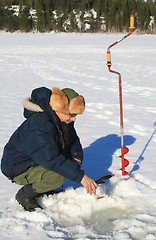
<point x="128" y="209"/>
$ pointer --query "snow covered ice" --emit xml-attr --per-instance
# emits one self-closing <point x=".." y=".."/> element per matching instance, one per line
<point x="128" y="210"/>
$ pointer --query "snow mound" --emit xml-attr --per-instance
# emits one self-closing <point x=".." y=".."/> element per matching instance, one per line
<point x="127" y="211"/>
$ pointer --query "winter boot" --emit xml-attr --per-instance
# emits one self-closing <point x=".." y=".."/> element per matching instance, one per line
<point x="26" y="196"/>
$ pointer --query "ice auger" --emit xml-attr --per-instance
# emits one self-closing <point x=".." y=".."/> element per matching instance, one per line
<point x="124" y="149"/>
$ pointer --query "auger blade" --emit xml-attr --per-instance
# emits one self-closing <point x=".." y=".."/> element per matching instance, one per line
<point x="125" y="162"/>
<point x="125" y="150"/>
<point x="125" y="173"/>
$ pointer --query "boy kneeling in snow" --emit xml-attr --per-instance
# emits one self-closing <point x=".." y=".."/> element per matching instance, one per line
<point x="45" y="149"/>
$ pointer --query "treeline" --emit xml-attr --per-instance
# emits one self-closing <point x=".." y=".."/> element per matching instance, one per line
<point x="77" y="15"/>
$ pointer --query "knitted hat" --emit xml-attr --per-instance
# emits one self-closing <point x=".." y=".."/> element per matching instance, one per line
<point x="70" y="93"/>
<point x="67" y="101"/>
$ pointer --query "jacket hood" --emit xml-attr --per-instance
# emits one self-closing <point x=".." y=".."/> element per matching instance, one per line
<point x="38" y="102"/>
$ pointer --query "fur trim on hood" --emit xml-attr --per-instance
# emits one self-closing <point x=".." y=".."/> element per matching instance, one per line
<point x="60" y="102"/>
<point x="27" y="104"/>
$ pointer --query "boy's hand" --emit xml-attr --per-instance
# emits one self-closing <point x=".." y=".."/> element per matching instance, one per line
<point x="89" y="184"/>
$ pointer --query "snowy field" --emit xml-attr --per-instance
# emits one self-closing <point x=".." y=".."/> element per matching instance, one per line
<point x="128" y="210"/>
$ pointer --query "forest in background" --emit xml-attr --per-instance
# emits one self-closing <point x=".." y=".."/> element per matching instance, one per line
<point x="93" y="16"/>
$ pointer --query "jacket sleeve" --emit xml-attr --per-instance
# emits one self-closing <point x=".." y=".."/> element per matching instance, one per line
<point x="76" y="150"/>
<point x="42" y="147"/>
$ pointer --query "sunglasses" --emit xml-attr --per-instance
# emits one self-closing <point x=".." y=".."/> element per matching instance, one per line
<point x="72" y="115"/>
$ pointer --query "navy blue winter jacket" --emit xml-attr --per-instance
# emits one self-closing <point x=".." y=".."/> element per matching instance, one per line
<point x="42" y="140"/>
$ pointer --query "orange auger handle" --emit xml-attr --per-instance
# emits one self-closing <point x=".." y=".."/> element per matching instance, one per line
<point x="109" y="59"/>
<point x="131" y="27"/>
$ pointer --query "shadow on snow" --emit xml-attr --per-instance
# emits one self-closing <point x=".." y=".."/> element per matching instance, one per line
<point x="98" y="156"/>
<point x="141" y="157"/>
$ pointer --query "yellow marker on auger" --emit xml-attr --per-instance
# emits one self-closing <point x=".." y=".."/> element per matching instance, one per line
<point x="131" y="28"/>
<point x="109" y="59"/>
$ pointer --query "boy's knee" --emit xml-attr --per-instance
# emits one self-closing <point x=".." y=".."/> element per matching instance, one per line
<point x="50" y="181"/>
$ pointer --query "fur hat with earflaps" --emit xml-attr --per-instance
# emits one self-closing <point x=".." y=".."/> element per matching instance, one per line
<point x="67" y="101"/>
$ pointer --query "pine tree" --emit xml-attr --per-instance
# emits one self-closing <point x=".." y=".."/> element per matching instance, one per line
<point x="69" y="15"/>
<point x="153" y="18"/>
